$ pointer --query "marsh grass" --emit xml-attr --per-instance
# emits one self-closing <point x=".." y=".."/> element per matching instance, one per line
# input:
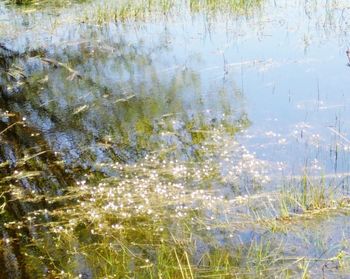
<point x="308" y="196"/>
<point x="146" y="9"/>
<point x="162" y="217"/>
<point x="44" y="3"/>
<point x="145" y="223"/>
<point x="103" y="12"/>
<point x="224" y="6"/>
<point x="154" y="220"/>
<point x="21" y="2"/>
<point x="134" y="10"/>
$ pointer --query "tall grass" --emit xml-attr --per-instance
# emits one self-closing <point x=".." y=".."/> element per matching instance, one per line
<point x="154" y="220"/>
<point x="157" y="218"/>
<point x="144" y="9"/>
<point x="308" y="196"/>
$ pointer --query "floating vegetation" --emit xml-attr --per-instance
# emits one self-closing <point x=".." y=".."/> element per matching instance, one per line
<point x="155" y="139"/>
<point x="171" y="218"/>
<point x="152" y="218"/>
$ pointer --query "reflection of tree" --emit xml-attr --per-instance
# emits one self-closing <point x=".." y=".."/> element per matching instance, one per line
<point x="29" y="173"/>
<point x="121" y="106"/>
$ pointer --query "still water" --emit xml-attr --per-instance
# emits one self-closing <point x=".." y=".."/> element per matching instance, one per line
<point x="259" y="93"/>
<point x="283" y="67"/>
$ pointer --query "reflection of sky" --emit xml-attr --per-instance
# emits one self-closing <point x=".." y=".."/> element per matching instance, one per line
<point x="293" y="71"/>
<point x="288" y="60"/>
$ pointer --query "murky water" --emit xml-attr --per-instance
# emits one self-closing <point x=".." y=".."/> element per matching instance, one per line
<point x="255" y="95"/>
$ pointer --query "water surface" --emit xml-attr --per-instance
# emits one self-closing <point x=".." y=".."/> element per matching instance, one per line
<point x="249" y="98"/>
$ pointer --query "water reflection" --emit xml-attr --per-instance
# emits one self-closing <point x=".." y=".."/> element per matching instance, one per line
<point x="100" y="98"/>
<point x="96" y="97"/>
<point x="161" y="113"/>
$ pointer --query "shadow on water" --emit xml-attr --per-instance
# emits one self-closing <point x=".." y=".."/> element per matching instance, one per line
<point x="143" y="154"/>
<point x="30" y="173"/>
<point x="96" y="100"/>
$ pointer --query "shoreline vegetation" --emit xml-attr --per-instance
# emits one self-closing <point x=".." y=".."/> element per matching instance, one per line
<point x="153" y="187"/>
<point x="104" y="12"/>
<point x="161" y="219"/>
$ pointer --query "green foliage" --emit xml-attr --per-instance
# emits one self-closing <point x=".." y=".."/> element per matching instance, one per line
<point x="307" y="196"/>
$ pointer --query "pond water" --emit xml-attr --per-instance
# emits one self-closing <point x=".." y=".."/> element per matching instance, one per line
<point x="247" y="95"/>
<point x="285" y="74"/>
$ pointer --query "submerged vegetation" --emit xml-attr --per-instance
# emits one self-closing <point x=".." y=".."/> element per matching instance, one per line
<point x="121" y="157"/>
<point x="165" y="218"/>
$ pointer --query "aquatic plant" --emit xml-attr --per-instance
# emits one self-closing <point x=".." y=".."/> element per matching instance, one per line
<point x="164" y="188"/>
<point x="308" y="196"/>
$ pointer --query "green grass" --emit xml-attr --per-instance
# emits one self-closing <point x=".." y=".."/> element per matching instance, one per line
<point x="44" y="3"/>
<point x="103" y="11"/>
<point x="167" y="218"/>
<point x="161" y="218"/>
<point x="232" y="6"/>
<point x="144" y="223"/>
<point x="21" y="2"/>
<point x="122" y="11"/>
<point x="307" y="196"/>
